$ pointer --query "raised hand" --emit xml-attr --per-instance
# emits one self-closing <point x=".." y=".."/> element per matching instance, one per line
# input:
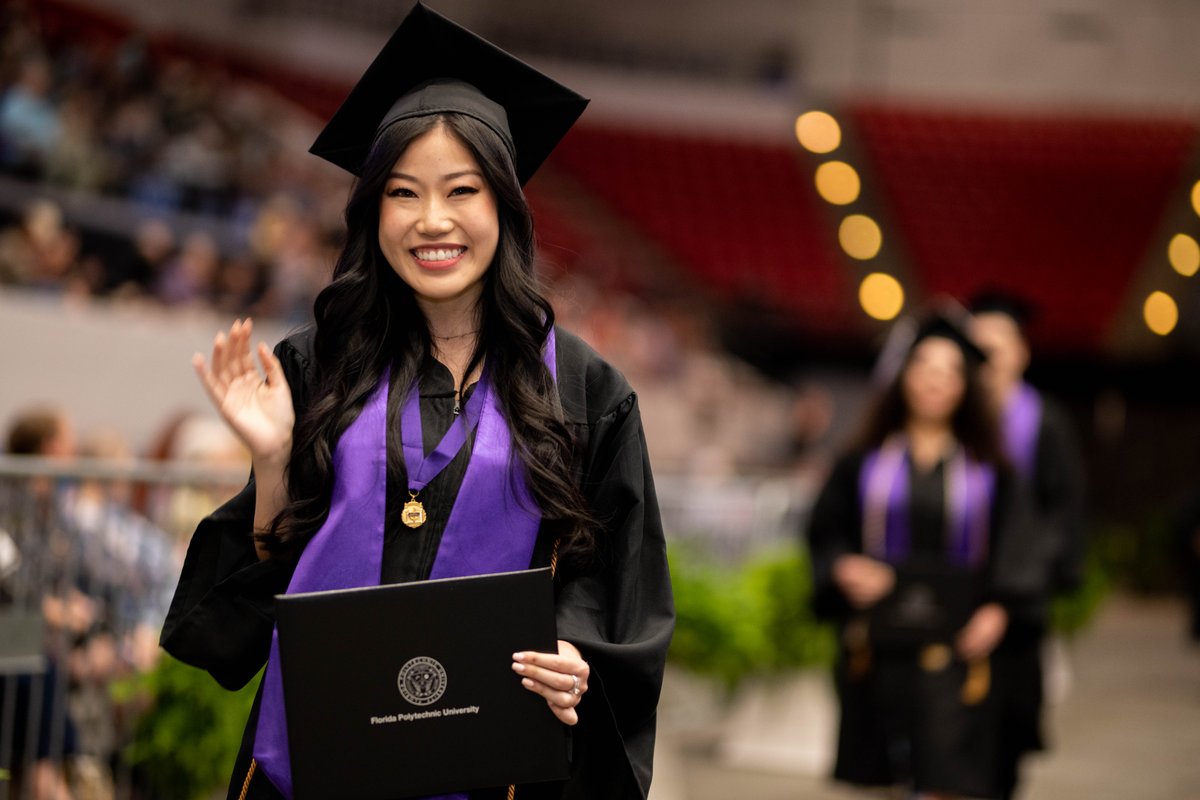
<point x="258" y="409"/>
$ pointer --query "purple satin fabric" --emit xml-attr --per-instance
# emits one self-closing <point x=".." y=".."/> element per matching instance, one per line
<point x="493" y="527"/>
<point x="887" y="522"/>
<point x="1021" y="422"/>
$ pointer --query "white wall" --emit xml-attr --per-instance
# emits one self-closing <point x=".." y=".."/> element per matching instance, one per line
<point x="112" y="368"/>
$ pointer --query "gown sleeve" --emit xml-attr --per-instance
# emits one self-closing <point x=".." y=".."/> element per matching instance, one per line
<point x="621" y="613"/>
<point x="222" y="613"/>
<point x="834" y="530"/>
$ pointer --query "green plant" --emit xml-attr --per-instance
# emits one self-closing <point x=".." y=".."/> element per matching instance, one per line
<point x="753" y="619"/>
<point x="1141" y="557"/>
<point x="185" y="743"/>
<point x="1073" y="612"/>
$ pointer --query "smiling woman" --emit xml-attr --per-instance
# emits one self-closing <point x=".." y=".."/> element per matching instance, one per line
<point x="434" y="322"/>
<point x="438" y="227"/>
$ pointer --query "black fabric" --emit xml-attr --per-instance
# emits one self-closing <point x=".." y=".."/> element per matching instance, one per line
<point x="927" y="510"/>
<point x="1049" y="538"/>
<point x="431" y="65"/>
<point x="901" y="724"/>
<point x="408" y="553"/>
<point x="619" y="614"/>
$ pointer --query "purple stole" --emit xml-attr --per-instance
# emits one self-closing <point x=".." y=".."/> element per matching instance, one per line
<point x="493" y="527"/>
<point x="1021" y="423"/>
<point x="884" y="499"/>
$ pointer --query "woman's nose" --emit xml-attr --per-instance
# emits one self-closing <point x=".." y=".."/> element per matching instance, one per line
<point x="435" y="218"/>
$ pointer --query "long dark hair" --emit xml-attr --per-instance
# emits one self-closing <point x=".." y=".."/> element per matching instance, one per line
<point x="973" y="422"/>
<point x="368" y="319"/>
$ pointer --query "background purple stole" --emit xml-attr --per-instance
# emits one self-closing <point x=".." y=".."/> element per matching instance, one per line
<point x="884" y="494"/>
<point x="493" y="527"/>
<point x="1021" y="422"/>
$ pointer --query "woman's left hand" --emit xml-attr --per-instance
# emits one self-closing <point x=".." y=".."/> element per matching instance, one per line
<point x="562" y="679"/>
<point x="983" y="632"/>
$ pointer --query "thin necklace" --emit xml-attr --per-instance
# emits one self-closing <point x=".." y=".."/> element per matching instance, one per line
<point x="456" y="336"/>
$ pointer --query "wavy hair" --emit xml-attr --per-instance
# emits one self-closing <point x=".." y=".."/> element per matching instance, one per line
<point x="367" y="319"/>
<point x="973" y="423"/>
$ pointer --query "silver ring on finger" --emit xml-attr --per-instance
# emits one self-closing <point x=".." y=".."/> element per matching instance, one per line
<point x="575" y="686"/>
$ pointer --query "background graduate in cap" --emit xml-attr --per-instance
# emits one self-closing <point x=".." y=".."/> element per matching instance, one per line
<point x="924" y="485"/>
<point x="1041" y="446"/>
<point x="510" y="444"/>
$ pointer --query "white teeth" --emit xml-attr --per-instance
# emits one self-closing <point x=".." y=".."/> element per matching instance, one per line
<point x="439" y="255"/>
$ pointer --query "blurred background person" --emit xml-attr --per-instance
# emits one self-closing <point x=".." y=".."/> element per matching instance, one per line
<point x="924" y="489"/>
<point x="1048" y="485"/>
<point x="41" y="731"/>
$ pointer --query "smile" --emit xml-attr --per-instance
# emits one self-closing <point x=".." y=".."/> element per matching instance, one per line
<point x="437" y="255"/>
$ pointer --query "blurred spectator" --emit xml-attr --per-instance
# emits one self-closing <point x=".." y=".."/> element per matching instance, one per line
<point x="45" y="579"/>
<point x="28" y="249"/>
<point x="196" y="440"/>
<point x="190" y="278"/>
<point x="30" y="125"/>
<point x="198" y="161"/>
<point x="137" y="271"/>
<point x="77" y="160"/>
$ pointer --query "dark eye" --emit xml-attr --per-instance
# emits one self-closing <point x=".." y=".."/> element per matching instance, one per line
<point x="462" y="191"/>
<point x="401" y="191"/>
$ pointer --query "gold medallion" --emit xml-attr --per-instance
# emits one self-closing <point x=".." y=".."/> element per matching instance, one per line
<point x="413" y="513"/>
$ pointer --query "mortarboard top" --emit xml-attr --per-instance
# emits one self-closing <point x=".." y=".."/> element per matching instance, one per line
<point x="938" y="324"/>
<point x="432" y="65"/>
<point x="997" y="301"/>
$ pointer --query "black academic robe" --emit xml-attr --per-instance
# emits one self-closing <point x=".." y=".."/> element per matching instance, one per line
<point x="1049" y="535"/>
<point x="1049" y="502"/>
<point x="620" y="613"/>
<point x="902" y="723"/>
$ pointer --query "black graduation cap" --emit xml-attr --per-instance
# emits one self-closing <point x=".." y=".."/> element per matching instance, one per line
<point x="909" y="331"/>
<point x="998" y="301"/>
<point x="432" y="65"/>
<point x="939" y="324"/>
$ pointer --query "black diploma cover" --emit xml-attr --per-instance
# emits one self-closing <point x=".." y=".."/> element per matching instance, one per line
<point x="408" y="689"/>
<point x="929" y="604"/>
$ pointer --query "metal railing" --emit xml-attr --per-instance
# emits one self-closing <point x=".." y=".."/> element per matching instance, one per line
<point x="90" y="552"/>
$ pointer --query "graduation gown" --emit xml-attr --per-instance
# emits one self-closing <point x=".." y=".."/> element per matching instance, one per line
<point x="1049" y="535"/>
<point x="620" y="614"/>
<point x="901" y="722"/>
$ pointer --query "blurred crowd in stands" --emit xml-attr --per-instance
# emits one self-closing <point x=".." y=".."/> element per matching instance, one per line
<point x="223" y="210"/>
<point x="223" y="206"/>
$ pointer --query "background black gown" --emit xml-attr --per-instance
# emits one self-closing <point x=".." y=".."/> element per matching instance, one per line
<point x="899" y="722"/>
<point x="1051" y="534"/>
<point x="620" y="614"/>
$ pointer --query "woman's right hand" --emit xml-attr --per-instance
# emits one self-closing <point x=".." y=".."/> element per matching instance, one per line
<point x="863" y="580"/>
<point x="258" y="410"/>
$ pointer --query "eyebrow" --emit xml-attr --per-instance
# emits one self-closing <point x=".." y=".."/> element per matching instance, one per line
<point x="453" y="176"/>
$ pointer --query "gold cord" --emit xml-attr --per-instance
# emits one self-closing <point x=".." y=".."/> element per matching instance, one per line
<point x="249" y="775"/>
<point x="512" y="787"/>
